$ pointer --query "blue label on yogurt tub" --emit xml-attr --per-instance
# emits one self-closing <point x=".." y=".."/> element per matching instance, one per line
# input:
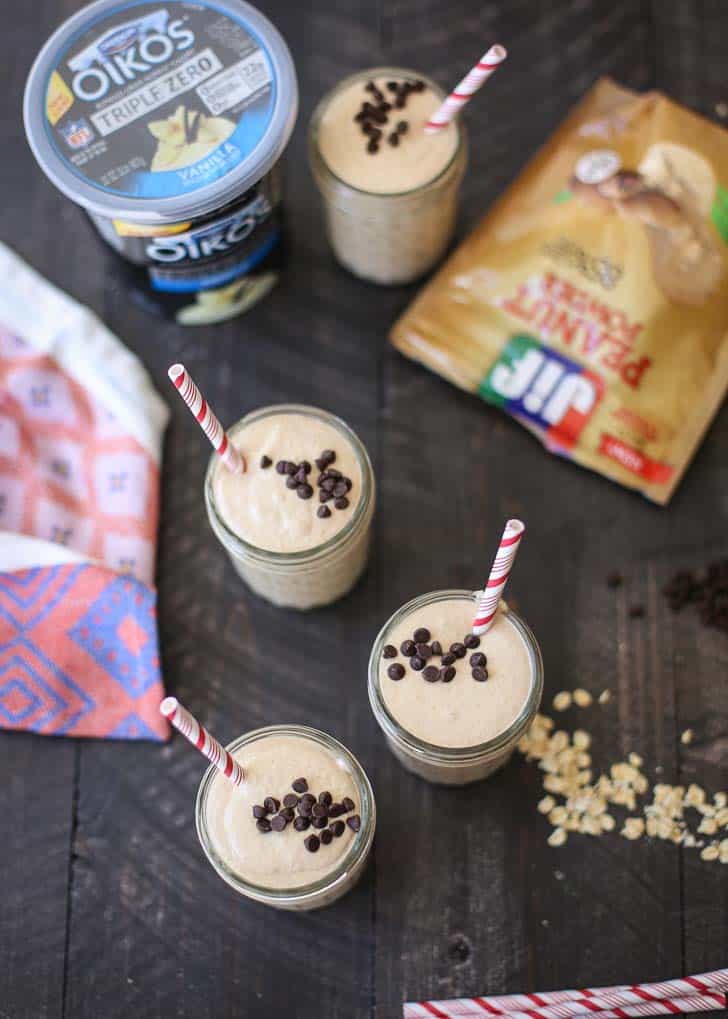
<point x="155" y="100"/>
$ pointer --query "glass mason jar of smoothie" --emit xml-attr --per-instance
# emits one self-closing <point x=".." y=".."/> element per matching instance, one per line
<point x="265" y="838"/>
<point x="296" y="524"/>
<point x="389" y="199"/>
<point x="453" y="706"/>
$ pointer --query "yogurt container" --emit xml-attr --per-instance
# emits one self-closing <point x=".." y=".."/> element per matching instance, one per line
<point x="166" y="122"/>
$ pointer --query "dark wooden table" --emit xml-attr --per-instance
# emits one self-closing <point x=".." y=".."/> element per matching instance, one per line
<point x="107" y="905"/>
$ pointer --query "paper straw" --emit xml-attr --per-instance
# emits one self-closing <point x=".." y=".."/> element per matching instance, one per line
<point x="466" y="89"/>
<point x="699" y="993"/>
<point x="499" y="573"/>
<point x="199" y="736"/>
<point x="207" y="420"/>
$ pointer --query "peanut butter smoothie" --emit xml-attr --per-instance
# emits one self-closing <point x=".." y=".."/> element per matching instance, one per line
<point x="389" y="189"/>
<point x="297" y="832"/>
<point x="296" y="522"/>
<point x="452" y="704"/>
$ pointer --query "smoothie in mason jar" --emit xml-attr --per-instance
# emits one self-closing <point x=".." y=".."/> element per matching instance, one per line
<point x="296" y="521"/>
<point x="389" y="190"/>
<point x="453" y="704"/>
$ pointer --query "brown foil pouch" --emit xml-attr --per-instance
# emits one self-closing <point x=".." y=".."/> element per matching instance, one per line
<point x="591" y="303"/>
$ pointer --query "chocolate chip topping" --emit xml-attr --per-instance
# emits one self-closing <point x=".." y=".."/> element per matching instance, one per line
<point x="354" y="822"/>
<point x="311" y="842"/>
<point x="307" y="800"/>
<point x="322" y="512"/>
<point x="326" y="798"/>
<point x="417" y="663"/>
<point x="290" y="800"/>
<point x="259" y="811"/>
<point x="299" y="785"/>
<point x="447" y="675"/>
<point x="459" y="650"/>
<point x="478" y="659"/>
<point x="319" y="810"/>
<point x="393" y="138"/>
<point x="279" y="822"/>
<point x="471" y="641"/>
<point x="271" y="804"/>
<point x="449" y="658"/>
<point x="263" y="825"/>
<point x="291" y="482"/>
<point x="304" y="491"/>
<point x="281" y="467"/>
<point x="431" y="674"/>
<point x="288" y="812"/>
<point x="265" y="462"/>
<point x="326" y="837"/>
<point x="407" y="647"/>
<point x="436" y="647"/>
<point x="320" y="822"/>
<point x="341" y="503"/>
<point x="480" y="674"/>
<point x="396" y="671"/>
<point x="336" y="810"/>
<point x="424" y="651"/>
<point x="421" y="635"/>
<point x="389" y="651"/>
<point x="302" y="823"/>
<point x="347" y="804"/>
<point x="338" y="828"/>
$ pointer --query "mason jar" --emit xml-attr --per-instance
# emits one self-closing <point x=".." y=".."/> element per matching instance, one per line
<point x="343" y="875"/>
<point x="389" y="238"/>
<point x="453" y="765"/>
<point x="313" y="576"/>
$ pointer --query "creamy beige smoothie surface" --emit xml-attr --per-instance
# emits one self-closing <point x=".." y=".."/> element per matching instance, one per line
<point x="285" y="858"/>
<point x="448" y="707"/>
<point x="270" y="512"/>
<point x="376" y="163"/>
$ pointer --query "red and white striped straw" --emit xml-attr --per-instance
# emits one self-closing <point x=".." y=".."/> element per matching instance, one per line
<point x="199" y="737"/>
<point x="499" y="573"/>
<point x="207" y="420"/>
<point x="466" y="89"/>
<point x="700" y="993"/>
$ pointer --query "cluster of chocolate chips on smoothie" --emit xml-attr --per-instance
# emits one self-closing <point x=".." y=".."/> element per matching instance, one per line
<point x="420" y="649"/>
<point x="374" y="114"/>
<point x="304" y="810"/>
<point x="333" y="486"/>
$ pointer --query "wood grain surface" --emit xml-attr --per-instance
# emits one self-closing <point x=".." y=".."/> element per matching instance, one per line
<point x="107" y="906"/>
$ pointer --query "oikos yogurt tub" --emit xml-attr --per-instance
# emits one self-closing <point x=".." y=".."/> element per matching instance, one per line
<point x="165" y="122"/>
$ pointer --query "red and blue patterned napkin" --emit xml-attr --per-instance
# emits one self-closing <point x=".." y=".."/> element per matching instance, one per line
<point x="80" y="449"/>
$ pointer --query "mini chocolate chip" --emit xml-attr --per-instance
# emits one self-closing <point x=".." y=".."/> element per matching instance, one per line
<point x="319" y="810"/>
<point x="326" y="837"/>
<point x="300" y="785"/>
<point x="307" y="800"/>
<point x="431" y="674"/>
<point x="320" y="822"/>
<point x="347" y="482"/>
<point x="471" y="641"/>
<point x="480" y="674"/>
<point x="379" y="117"/>
<point x="328" y="456"/>
<point x="302" y="823"/>
<point x="478" y="659"/>
<point x="263" y="824"/>
<point x="279" y="822"/>
<point x="459" y="650"/>
<point x="323" y="512"/>
<point x="372" y="147"/>
<point x="290" y="800"/>
<point x="300" y="476"/>
<point x="336" y="810"/>
<point x="354" y="822"/>
<point x="271" y="804"/>
<point x="358" y="117"/>
<point x="281" y="467"/>
<point x="400" y="102"/>
<point x="393" y="139"/>
<point x="407" y="647"/>
<point x="265" y="462"/>
<point x="424" y="651"/>
<point x="326" y="798"/>
<point x="449" y="658"/>
<point x="328" y="484"/>
<point x="304" y="809"/>
<point x="421" y="635"/>
<point x="342" y="502"/>
<point x="417" y="663"/>
<point x="311" y="842"/>
<point x="447" y="675"/>
<point x="259" y="811"/>
<point x="333" y="473"/>
<point x="304" y="491"/>
<point x="403" y="127"/>
<point x="396" y="671"/>
<point x="384" y="106"/>
<point x="325" y="496"/>
<point x="288" y="812"/>
<point x="341" y="488"/>
<point x="338" y="828"/>
<point x="307" y="468"/>
<point x="436" y="647"/>
<point x="370" y="86"/>
<point x="392" y="86"/>
<point x="291" y="482"/>
<point x="636" y="611"/>
<point x="290" y="467"/>
<point x="418" y="86"/>
<point x="389" y="651"/>
<point x="347" y="803"/>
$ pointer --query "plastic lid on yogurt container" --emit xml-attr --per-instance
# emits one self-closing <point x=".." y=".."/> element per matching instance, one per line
<point x="160" y="112"/>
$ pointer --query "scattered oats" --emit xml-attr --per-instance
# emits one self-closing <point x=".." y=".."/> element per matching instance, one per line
<point x="721" y="799"/>
<point x="558" y="816"/>
<point x="724" y="851"/>
<point x="607" y="822"/>
<point x="553" y="784"/>
<point x="711" y="852"/>
<point x="722" y="817"/>
<point x="557" y="837"/>
<point x="581" y="739"/>
<point x="590" y="826"/>
<point x="582" y="698"/>
<point x="559" y="741"/>
<point x="695" y="796"/>
<point x="583" y="760"/>
<point x="605" y="697"/>
<point x="546" y="805"/>
<point x="562" y="701"/>
<point x="708" y="826"/>
<point x="687" y="737"/>
<point x="635" y="760"/>
<point x="634" y="828"/>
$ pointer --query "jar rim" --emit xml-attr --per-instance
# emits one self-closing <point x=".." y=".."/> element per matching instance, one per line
<point x="360" y="844"/>
<point x="431" y="752"/>
<point x="246" y="550"/>
<point x="315" y="154"/>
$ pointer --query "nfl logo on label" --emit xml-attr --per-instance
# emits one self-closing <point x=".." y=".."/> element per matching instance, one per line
<point x="77" y="134"/>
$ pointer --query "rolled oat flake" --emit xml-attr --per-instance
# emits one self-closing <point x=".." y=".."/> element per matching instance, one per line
<point x="166" y="123"/>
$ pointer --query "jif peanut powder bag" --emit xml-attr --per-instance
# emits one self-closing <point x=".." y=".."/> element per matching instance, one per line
<point x="591" y="304"/>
